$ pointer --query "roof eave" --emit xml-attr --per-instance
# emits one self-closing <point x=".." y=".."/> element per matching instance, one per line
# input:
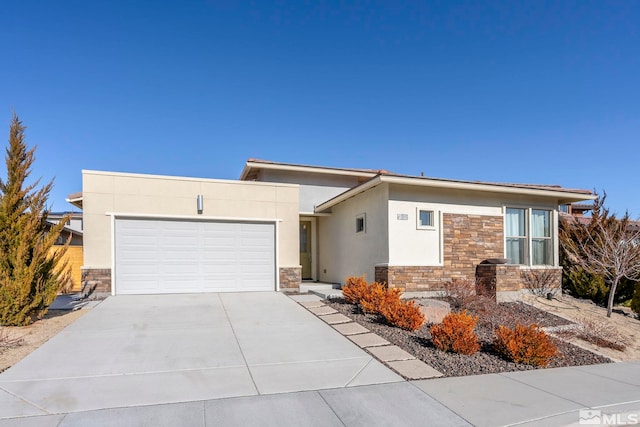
<point x="562" y="196"/>
<point x="349" y="193"/>
<point x="77" y="202"/>
<point x="302" y="168"/>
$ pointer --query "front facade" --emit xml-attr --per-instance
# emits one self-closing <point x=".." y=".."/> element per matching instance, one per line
<point x="156" y="234"/>
<point x="282" y="223"/>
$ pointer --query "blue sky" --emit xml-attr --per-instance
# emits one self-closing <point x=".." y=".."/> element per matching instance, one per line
<point x="533" y="92"/>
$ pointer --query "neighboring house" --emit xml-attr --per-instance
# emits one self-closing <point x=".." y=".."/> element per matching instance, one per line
<point x="72" y="232"/>
<point x="281" y="223"/>
<point x="578" y="211"/>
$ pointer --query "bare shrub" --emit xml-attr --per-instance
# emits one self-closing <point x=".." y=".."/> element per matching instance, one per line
<point x="540" y="282"/>
<point x="459" y="292"/>
<point x="597" y="332"/>
<point x="488" y="312"/>
<point x="7" y="342"/>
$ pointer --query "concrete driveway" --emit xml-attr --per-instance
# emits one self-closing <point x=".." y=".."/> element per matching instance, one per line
<point x="155" y="349"/>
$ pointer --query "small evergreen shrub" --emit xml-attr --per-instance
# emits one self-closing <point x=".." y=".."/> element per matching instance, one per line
<point x="635" y="301"/>
<point x="525" y="344"/>
<point x="377" y="297"/>
<point x="403" y="314"/>
<point x="354" y="289"/>
<point x="456" y="333"/>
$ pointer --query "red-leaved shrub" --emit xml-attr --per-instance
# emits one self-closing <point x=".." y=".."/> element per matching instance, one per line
<point x="354" y="289"/>
<point x="377" y="297"/>
<point x="403" y="314"/>
<point x="525" y="344"/>
<point x="456" y="333"/>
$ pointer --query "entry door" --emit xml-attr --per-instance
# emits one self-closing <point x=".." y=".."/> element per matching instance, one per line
<point x="305" y="249"/>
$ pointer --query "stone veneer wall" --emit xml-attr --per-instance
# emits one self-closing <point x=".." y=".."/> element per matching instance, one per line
<point x="99" y="279"/>
<point x="468" y="240"/>
<point x="492" y="278"/>
<point x="96" y="280"/>
<point x="290" y="277"/>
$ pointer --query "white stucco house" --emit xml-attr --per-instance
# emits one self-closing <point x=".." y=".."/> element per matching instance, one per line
<point x="280" y="224"/>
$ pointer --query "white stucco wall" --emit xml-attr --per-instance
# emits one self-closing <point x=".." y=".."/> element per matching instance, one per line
<point x="166" y="196"/>
<point x="315" y="188"/>
<point x="343" y="252"/>
<point x="409" y="245"/>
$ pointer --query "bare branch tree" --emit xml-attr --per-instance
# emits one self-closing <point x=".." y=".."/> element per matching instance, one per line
<point x="606" y="246"/>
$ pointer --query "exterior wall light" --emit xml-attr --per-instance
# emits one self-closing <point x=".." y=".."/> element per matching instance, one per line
<point x="200" y="203"/>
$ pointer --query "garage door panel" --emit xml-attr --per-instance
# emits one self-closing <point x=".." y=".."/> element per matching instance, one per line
<point x="166" y="256"/>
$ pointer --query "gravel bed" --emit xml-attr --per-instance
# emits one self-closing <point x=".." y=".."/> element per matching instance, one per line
<point x="485" y="361"/>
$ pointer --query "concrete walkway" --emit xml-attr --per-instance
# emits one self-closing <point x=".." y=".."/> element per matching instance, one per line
<point x="255" y="369"/>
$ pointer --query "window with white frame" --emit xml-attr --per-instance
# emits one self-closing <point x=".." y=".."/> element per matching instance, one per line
<point x="541" y="245"/>
<point x="425" y="218"/>
<point x="528" y="236"/>
<point x="361" y="223"/>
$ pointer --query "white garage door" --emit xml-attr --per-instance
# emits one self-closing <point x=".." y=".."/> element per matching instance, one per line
<point x="165" y="256"/>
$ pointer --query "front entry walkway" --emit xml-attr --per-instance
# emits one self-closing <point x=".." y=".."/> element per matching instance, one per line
<point x="158" y="349"/>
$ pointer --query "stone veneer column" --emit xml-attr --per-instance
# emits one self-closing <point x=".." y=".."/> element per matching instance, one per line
<point x="290" y="277"/>
<point x="96" y="280"/>
<point x="492" y="279"/>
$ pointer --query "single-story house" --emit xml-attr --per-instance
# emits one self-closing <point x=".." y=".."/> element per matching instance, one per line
<point x="280" y="224"/>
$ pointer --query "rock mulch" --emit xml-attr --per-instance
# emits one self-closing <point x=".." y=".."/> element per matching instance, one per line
<point x="403" y="363"/>
<point x="486" y="361"/>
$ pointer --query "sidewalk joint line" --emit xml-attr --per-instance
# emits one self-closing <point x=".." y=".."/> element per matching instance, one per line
<point x="28" y="402"/>
<point x="359" y="372"/>
<point x="330" y="407"/>
<point x="224" y="308"/>
<point x="586" y="371"/>
<point x="540" y="389"/>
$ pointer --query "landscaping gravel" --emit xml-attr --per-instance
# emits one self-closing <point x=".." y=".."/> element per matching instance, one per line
<point x="485" y="361"/>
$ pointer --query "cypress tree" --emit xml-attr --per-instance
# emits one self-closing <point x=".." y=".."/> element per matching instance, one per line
<point x="31" y="273"/>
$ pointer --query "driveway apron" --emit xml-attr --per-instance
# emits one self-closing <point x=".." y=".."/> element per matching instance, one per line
<point x="152" y="349"/>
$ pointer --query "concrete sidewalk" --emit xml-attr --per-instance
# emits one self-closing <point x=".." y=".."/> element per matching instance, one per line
<point x="552" y="397"/>
<point x="541" y="397"/>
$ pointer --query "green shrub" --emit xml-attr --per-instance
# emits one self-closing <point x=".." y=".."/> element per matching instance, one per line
<point x="580" y="284"/>
<point x="635" y="301"/>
